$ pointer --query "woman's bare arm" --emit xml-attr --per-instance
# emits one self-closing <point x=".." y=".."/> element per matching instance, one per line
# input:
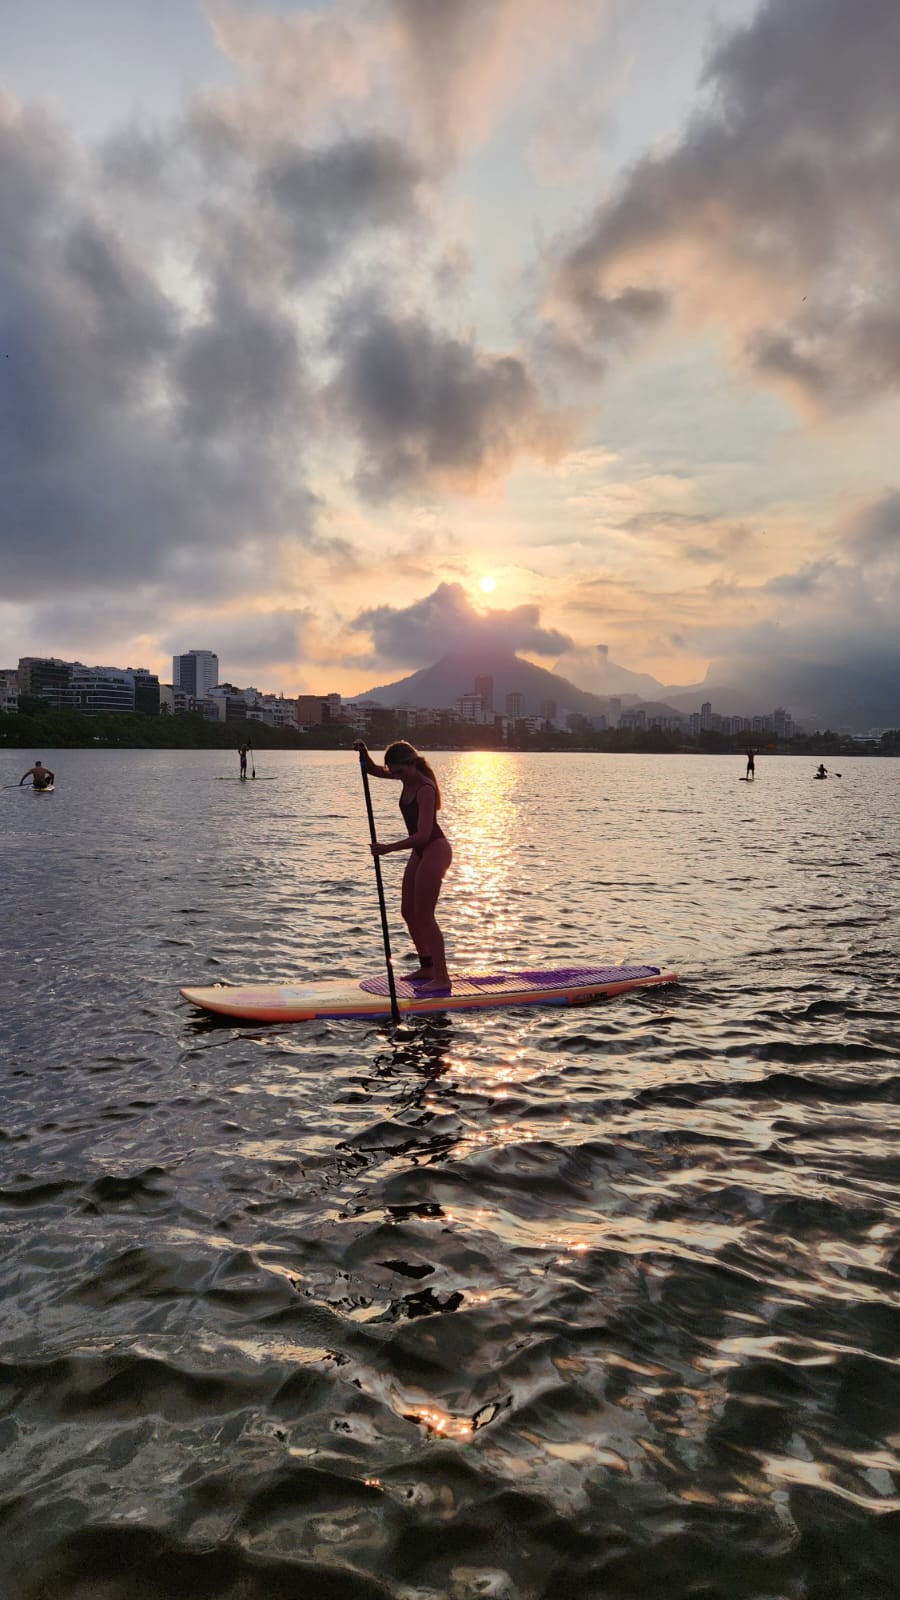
<point x="372" y="767"/>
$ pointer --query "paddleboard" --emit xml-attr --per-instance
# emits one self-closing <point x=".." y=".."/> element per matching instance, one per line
<point x="470" y="991"/>
<point x="268" y="777"/>
<point x="42" y="788"/>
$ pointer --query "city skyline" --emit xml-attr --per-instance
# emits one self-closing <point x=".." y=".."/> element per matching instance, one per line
<point x="348" y="332"/>
<point x="94" y="688"/>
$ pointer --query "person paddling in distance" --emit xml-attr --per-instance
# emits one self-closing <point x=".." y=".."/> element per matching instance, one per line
<point x="41" y="776"/>
<point x="430" y="856"/>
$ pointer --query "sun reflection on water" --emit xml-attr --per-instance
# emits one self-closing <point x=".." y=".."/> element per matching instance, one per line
<point x="483" y="801"/>
<point x="442" y="1423"/>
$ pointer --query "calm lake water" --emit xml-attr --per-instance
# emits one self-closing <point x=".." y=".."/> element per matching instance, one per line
<point x="596" y="1303"/>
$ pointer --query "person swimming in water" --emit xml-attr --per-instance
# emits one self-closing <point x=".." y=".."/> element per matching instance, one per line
<point x="41" y="776"/>
<point x="430" y="856"/>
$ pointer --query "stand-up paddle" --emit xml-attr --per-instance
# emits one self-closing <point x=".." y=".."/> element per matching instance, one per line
<point x="385" y="933"/>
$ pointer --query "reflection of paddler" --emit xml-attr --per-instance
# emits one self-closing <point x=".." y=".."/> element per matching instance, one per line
<point x="40" y="775"/>
<point x="430" y="857"/>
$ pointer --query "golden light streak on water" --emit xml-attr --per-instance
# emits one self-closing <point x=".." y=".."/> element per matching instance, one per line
<point x="482" y="809"/>
<point x="442" y="1423"/>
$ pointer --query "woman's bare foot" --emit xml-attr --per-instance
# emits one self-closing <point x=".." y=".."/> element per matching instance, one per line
<point x="425" y="969"/>
<point x="436" y="985"/>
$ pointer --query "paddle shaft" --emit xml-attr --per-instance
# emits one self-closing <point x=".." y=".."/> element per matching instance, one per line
<point x="385" y="932"/>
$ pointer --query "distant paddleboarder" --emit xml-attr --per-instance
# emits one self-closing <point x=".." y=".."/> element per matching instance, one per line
<point x="430" y="856"/>
<point x="41" y="776"/>
<point x="822" y="771"/>
<point x="243" y="758"/>
<point x="751" y="765"/>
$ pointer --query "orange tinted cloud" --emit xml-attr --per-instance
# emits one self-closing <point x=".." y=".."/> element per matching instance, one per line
<point x="771" y="215"/>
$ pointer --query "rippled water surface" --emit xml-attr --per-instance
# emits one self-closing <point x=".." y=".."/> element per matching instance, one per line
<point x="589" y="1303"/>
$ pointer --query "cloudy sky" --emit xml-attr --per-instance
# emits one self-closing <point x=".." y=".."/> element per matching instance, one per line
<point x="337" y="334"/>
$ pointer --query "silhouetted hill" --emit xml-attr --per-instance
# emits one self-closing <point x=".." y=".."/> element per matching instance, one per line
<point x="855" y="695"/>
<point x="593" y="669"/>
<point x="858" y="695"/>
<point x="454" y="675"/>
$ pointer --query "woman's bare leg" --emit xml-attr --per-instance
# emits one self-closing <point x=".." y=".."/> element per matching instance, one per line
<point x="408" y="912"/>
<point x="426" y="887"/>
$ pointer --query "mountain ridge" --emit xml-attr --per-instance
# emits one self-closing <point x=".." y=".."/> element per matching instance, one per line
<point x="857" y="694"/>
<point x="443" y="683"/>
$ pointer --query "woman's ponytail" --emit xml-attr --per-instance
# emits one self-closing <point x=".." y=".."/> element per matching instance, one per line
<point x="400" y="752"/>
<point x="423" y="766"/>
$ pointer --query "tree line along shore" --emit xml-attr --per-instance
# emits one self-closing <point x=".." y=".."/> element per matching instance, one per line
<point x="38" y="725"/>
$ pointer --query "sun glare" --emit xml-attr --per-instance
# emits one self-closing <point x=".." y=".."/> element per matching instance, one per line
<point x="488" y="584"/>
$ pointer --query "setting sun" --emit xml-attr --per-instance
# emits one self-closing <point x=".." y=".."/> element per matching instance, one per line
<point x="488" y="585"/>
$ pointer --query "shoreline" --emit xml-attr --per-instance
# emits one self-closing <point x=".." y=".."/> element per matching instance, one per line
<point x="61" y="730"/>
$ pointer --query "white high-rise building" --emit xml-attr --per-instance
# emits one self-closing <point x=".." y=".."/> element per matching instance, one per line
<point x="196" y="672"/>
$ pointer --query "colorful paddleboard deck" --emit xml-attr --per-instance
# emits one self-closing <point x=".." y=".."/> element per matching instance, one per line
<point x="470" y="991"/>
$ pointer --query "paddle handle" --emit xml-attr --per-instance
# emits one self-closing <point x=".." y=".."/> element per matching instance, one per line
<point x="385" y="932"/>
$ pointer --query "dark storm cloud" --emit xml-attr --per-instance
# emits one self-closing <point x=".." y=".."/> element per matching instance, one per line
<point x="430" y="409"/>
<point x="238" y="369"/>
<point x="130" y="434"/>
<point x="445" y="622"/>
<point x="134" y="159"/>
<point x="126" y="322"/>
<point x="327" y="198"/>
<point x="776" y="212"/>
<point x="161" y="377"/>
<point x="257" y="643"/>
<point x="285" y="210"/>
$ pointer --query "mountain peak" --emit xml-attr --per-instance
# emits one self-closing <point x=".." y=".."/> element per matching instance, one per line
<point x="442" y="684"/>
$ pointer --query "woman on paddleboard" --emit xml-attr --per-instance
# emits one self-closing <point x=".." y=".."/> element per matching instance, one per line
<point x="430" y="856"/>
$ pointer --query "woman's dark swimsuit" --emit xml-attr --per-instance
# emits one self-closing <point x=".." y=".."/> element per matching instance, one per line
<point x="410" y="810"/>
